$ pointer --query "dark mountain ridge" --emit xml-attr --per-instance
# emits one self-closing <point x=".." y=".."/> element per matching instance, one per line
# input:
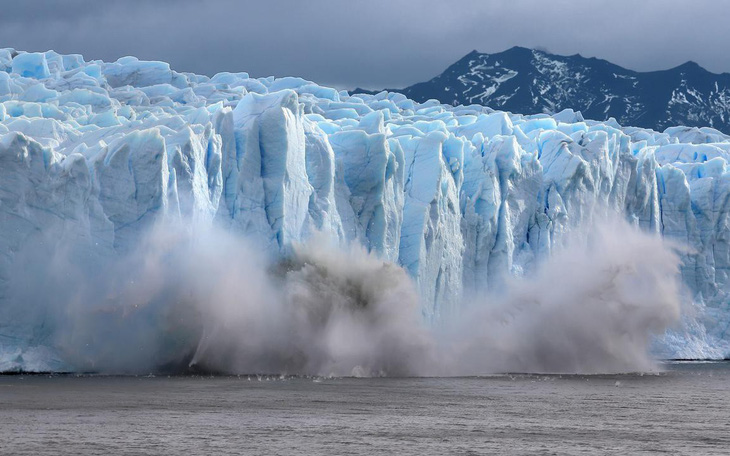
<point x="529" y="81"/>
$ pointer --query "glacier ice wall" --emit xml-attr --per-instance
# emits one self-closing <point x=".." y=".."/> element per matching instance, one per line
<point x="94" y="153"/>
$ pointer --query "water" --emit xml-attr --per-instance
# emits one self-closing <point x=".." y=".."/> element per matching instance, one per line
<point x="684" y="410"/>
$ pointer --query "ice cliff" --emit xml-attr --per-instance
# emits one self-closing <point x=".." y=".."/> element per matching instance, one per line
<point x="92" y="153"/>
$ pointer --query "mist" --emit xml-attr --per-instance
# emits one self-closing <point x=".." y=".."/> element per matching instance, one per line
<point x="593" y="306"/>
<point x="193" y="299"/>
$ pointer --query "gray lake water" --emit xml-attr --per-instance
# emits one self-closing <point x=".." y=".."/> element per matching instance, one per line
<point x="684" y="410"/>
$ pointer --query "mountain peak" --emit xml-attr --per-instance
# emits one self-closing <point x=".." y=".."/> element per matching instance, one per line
<point x="468" y="57"/>
<point x="517" y="50"/>
<point x="536" y="81"/>
<point x="690" y="65"/>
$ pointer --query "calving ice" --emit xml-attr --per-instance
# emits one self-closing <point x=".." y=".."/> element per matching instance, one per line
<point x="133" y="175"/>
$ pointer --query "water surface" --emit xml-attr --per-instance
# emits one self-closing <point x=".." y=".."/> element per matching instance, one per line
<point x="684" y="410"/>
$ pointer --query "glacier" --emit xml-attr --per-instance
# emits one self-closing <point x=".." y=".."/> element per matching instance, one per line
<point x="93" y="153"/>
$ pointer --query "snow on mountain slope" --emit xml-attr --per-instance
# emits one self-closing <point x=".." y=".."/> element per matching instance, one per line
<point x="93" y="153"/>
<point x="532" y="81"/>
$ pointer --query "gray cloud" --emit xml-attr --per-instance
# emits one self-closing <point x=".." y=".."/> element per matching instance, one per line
<point x="373" y="43"/>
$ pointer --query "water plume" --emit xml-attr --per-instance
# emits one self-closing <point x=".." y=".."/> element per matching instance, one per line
<point x="201" y="299"/>
<point x="593" y="306"/>
<point x="335" y="312"/>
<point x="190" y="300"/>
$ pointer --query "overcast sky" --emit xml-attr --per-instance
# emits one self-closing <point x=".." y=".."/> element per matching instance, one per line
<point x="368" y="43"/>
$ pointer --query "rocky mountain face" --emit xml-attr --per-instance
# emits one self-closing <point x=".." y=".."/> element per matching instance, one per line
<point x="530" y="81"/>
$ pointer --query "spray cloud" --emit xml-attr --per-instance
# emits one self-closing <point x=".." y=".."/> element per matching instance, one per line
<point x="203" y="298"/>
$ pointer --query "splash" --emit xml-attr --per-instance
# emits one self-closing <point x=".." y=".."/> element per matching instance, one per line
<point x="334" y="312"/>
<point x="188" y="300"/>
<point x="202" y="299"/>
<point x="593" y="306"/>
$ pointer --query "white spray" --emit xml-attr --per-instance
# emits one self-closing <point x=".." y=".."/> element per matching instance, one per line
<point x="591" y="307"/>
<point x="204" y="299"/>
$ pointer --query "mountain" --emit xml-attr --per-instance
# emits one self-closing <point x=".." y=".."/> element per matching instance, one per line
<point x="531" y="81"/>
<point x="152" y="218"/>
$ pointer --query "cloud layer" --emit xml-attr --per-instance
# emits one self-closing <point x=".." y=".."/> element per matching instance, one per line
<point x="374" y="43"/>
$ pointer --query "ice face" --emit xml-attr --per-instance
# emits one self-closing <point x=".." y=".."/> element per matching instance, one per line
<point x="463" y="198"/>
